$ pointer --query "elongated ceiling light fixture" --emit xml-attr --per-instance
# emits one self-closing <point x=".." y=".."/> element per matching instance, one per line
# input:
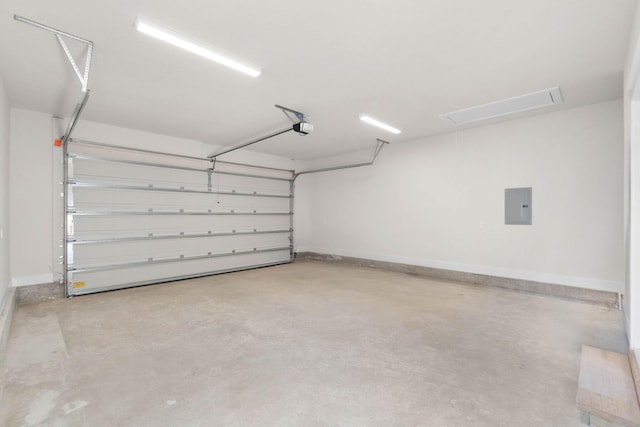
<point x="379" y="124"/>
<point x="177" y="40"/>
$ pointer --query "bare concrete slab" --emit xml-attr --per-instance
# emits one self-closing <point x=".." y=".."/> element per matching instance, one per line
<point x="605" y="298"/>
<point x="41" y="292"/>
<point x="303" y="344"/>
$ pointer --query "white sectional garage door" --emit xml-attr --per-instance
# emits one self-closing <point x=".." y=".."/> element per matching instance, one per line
<point x="136" y="217"/>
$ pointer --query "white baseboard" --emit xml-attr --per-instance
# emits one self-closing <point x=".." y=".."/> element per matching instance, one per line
<point x="36" y="279"/>
<point x="556" y="279"/>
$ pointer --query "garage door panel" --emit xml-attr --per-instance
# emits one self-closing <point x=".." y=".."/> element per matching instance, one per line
<point x="84" y="282"/>
<point x="106" y="200"/>
<point x="94" y="171"/>
<point x="91" y="227"/>
<point x="98" y="254"/>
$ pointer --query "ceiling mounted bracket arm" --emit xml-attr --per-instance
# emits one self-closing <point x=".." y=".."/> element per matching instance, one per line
<point x="286" y="111"/>
<point x="379" y="144"/>
<point x="300" y="126"/>
<point x="246" y="144"/>
<point x="74" y="118"/>
<point x="83" y="77"/>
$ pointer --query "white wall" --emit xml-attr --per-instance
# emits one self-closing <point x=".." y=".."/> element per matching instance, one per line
<point x="439" y="202"/>
<point x="30" y="197"/>
<point x="36" y="173"/>
<point x="632" y="225"/>
<point x="632" y="185"/>
<point x="4" y="193"/>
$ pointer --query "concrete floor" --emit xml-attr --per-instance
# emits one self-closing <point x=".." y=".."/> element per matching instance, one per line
<point x="304" y="344"/>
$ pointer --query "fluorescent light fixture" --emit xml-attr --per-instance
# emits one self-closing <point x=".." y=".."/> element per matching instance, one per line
<point x="505" y="107"/>
<point x="177" y="40"/>
<point x="379" y="124"/>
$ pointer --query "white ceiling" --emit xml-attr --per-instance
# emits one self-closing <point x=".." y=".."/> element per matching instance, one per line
<point x="404" y="62"/>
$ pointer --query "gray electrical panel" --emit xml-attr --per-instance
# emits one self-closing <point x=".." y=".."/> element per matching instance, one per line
<point x="517" y="206"/>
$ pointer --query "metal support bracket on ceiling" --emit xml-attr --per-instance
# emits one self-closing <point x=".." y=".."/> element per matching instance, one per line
<point x="379" y="144"/>
<point x="296" y="126"/>
<point x="285" y="110"/>
<point x="83" y="77"/>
